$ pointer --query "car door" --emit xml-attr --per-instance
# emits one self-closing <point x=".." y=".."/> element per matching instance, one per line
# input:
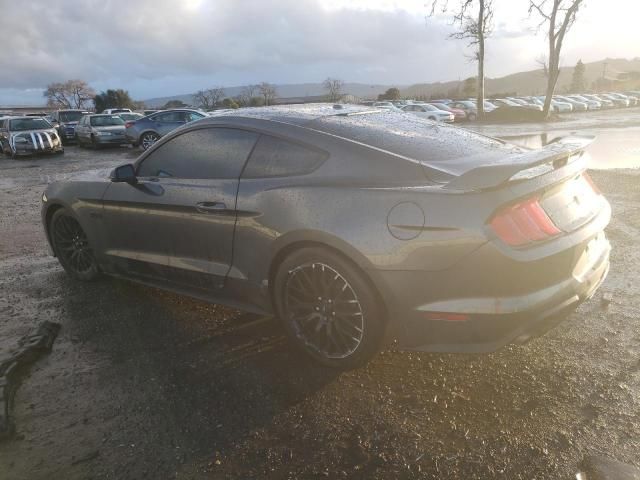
<point x="82" y="129"/>
<point x="176" y="224"/>
<point x="165" y="122"/>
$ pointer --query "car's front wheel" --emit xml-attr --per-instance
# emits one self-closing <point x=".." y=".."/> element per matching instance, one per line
<point x="328" y="308"/>
<point x="148" y="139"/>
<point x="71" y="246"/>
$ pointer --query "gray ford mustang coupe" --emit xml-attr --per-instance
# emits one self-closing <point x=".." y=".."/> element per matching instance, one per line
<point x="352" y="225"/>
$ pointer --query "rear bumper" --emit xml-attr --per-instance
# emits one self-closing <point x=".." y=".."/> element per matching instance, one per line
<point x="494" y="321"/>
<point x="131" y="137"/>
<point x="111" y="140"/>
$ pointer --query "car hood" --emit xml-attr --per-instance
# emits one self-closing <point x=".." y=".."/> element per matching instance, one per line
<point x="50" y="131"/>
<point x="71" y="124"/>
<point x="96" y="175"/>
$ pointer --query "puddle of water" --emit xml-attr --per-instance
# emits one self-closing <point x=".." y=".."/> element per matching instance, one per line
<point x="612" y="148"/>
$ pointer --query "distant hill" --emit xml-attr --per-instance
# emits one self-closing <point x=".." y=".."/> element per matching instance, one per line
<point x="533" y="81"/>
<point x="522" y="83"/>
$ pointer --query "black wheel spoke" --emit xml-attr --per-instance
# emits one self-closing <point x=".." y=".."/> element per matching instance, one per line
<point x="71" y="245"/>
<point x="324" y="310"/>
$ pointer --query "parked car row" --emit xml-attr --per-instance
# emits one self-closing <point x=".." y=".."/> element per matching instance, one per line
<point x="28" y="134"/>
<point x="467" y="110"/>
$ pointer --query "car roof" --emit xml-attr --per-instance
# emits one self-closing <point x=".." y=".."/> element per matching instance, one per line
<point x="299" y="115"/>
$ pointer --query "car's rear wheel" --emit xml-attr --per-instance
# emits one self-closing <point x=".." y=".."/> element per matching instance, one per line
<point x="328" y="308"/>
<point x="472" y="117"/>
<point x="148" y="139"/>
<point x="71" y="246"/>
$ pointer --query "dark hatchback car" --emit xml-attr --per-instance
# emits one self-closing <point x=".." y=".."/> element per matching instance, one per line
<point x="148" y="130"/>
<point x="349" y="224"/>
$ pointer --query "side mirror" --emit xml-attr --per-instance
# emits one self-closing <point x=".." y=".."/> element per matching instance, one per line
<point x="124" y="173"/>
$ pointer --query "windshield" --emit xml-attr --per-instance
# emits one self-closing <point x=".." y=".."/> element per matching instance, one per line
<point x="106" y="121"/>
<point x="71" y="116"/>
<point x="19" y="124"/>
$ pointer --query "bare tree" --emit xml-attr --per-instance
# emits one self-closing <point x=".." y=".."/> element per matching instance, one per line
<point x="559" y="15"/>
<point x="544" y="65"/>
<point x="246" y="94"/>
<point x="474" y="20"/>
<point x="333" y="86"/>
<point x="209" y="98"/>
<point x="69" y="94"/>
<point x="268" y="92"/>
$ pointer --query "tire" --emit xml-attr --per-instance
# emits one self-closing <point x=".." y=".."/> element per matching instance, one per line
<point x="328" y="308"/>
<point x="147" y="140"/>
<point x="95" y="145"/>
<point x="71" y="246"/>
<point x="433" y="119"/>
<point x="472" y="117"/>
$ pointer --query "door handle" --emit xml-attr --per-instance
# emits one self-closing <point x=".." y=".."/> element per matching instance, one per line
<point x="211" y="207"/>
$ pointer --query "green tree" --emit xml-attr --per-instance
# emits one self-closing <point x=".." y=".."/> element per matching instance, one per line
<point x="469" y="87"/>
<point x="391" y="94"/>
<point x="230" y="103"/>
<point x="174" y="104"/>
<point x="578" y="81"/>
<point x="256" y="102"/>
<point x="113" y="99"/>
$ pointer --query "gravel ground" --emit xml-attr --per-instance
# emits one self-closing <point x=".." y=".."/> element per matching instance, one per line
<point x="146" y="384"/>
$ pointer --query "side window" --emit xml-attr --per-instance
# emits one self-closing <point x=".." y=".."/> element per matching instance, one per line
<point x="201" y="154"/>
<point x="273" y="157"/>
<point x="192" y="116"/>
<point x="169" y="117"/>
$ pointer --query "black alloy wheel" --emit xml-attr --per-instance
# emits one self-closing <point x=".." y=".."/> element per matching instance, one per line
<point x="71" y="246"/>
<point x="328" y="308"/>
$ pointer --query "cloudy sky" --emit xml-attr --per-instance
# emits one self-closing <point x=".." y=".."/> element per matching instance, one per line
<point x="165" y="47"/>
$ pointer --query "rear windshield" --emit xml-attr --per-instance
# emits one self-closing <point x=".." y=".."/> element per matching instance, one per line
<point x="106" y="121"/>
<point x="70" y="116"/>
<point x="28" y="124"/>
<point x="452" y="150"/>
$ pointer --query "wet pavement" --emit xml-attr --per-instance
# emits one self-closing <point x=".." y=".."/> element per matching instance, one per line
<point x="616" y="132"/>
<point x="146" y="384"/>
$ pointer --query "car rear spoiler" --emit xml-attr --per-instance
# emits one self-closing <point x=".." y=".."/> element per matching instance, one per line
<point x="554" y="155"/>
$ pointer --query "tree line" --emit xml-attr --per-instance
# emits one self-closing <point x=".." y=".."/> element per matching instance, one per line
<point x="78" y="95"/>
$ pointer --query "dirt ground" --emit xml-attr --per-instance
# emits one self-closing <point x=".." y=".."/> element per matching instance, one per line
<point x="146" y="384"/>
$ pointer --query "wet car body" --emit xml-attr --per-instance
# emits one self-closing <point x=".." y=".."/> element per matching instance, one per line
<point x="467" y="242"/>
<point x="147" y="130"/>
<point x="100" y="129"/>
<point x="28" y="135"/>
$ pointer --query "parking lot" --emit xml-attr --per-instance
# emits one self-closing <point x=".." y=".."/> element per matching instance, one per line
<point x="146" y="384"/>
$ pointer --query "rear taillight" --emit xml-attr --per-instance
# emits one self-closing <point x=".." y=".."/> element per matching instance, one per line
<point x="129" y="124"/>
<point x="523" y="223"/>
